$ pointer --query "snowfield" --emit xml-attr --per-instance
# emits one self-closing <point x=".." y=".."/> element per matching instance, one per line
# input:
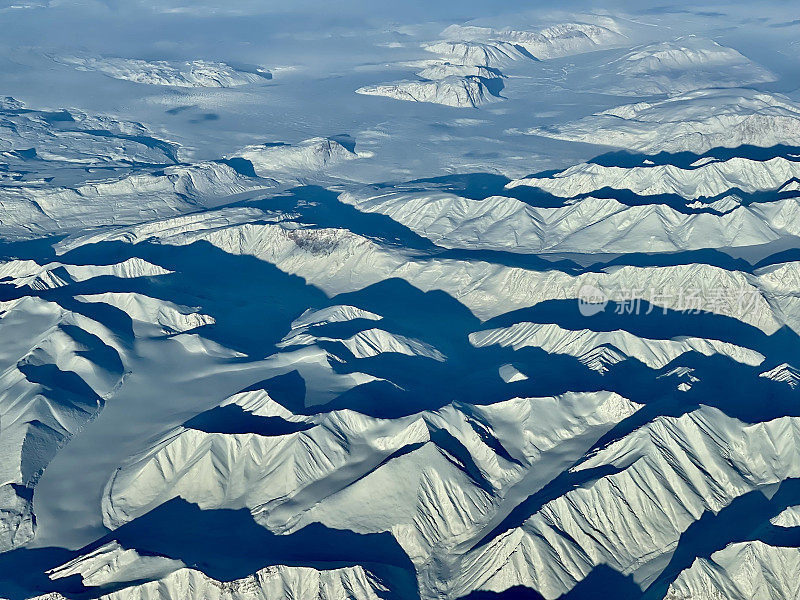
<point x="695" y="121"/>
<point x="196" y="73"/>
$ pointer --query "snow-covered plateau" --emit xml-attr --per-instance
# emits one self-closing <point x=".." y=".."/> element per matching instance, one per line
<point x="195" y="73"/>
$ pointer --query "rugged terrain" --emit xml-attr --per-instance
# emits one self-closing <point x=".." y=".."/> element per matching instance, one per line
<point x="483" y="345"/>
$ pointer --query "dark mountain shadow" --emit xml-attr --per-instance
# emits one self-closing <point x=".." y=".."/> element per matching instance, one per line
<point x="224" y="544"/>
<point x="252" y="307"/>
<point x="790" y="255"/>
<point x="65" y="388"/>
<point x="233" y="419"/>
<point x="494" y="85"/>
<point x="454" y="449"/>
<point x="575" y="264"/>
<point x="40" y="249"/>
<point x="95" y="350"/>
<point x="288" y="390"/>
<point x="470" y="374"/>
<point x="433" y="316"/>
<point x="241" y="165"/>
<point x="518" y="592"/>
<point x="346" y="140"/>
<point x="652" y="322"/>
<point x="684" y="160"/>
<point x="679" y="203"/>
<point x="228" y="545"/>
<point x="746" y="518"/>
<point x="22" y="572"/>
<point x="705" y="256"/>
<point x="604" y="582"/>
<point x="532" y="262"/>
<point x="380" y="399"/>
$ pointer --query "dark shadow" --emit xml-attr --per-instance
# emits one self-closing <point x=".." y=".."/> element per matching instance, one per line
<point x="241" y="165"/>
<point x="684" y="160"/>
<point x="746" y="518"/>
<point x="604" y="582"/>
<point x="225" y="545"/>
<point x="233" y="419"/>
<point x="518" y="592"/>
<point x="288" y="390"/>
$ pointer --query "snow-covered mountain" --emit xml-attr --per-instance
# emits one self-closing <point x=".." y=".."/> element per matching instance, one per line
<point x="267" y="339"/>
<point x="468" y="72"/>
<point x="452" y="90"/>
<point x="668" y="68"/>
<point x="710" y="179"/>
<point x="694" y="121"/>
<point x="555" y="41"/>
<point x="196" y="73"/>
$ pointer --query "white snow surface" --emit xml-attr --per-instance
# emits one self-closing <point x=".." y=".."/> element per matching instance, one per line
<point x="741" y="571"/>
<point x="563" y="39"/>
<point x="481" y="54"/>
<point x="451" y="90"/>
<point x="315" y="154"/>
<point x="705" y="181"/>
<point x="191" y="74"/>
<point x="267" y="583"/>
<point x="654" y="353"/>
<point x="677" y="66"/>
<point x="789" y="517"/>
<point x="695" y="121"/>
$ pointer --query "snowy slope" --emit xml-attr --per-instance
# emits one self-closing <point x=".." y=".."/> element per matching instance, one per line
<point x="450" y="90"/>
<point x="563" y="39"/>
<point x="677" y="66"/>
<point x="163" y="577"/>
<point x="694" y="121"/>
<point x="745" y="570"/>
<point x="654" y="353"/>
<point x="736" y="175"/>
<point x="54" y="380"/>
<point x="196" y="73"/>
<point x="307" y="157"/>
<point x="36" y="210"/>
<point x="591" y="224"/>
